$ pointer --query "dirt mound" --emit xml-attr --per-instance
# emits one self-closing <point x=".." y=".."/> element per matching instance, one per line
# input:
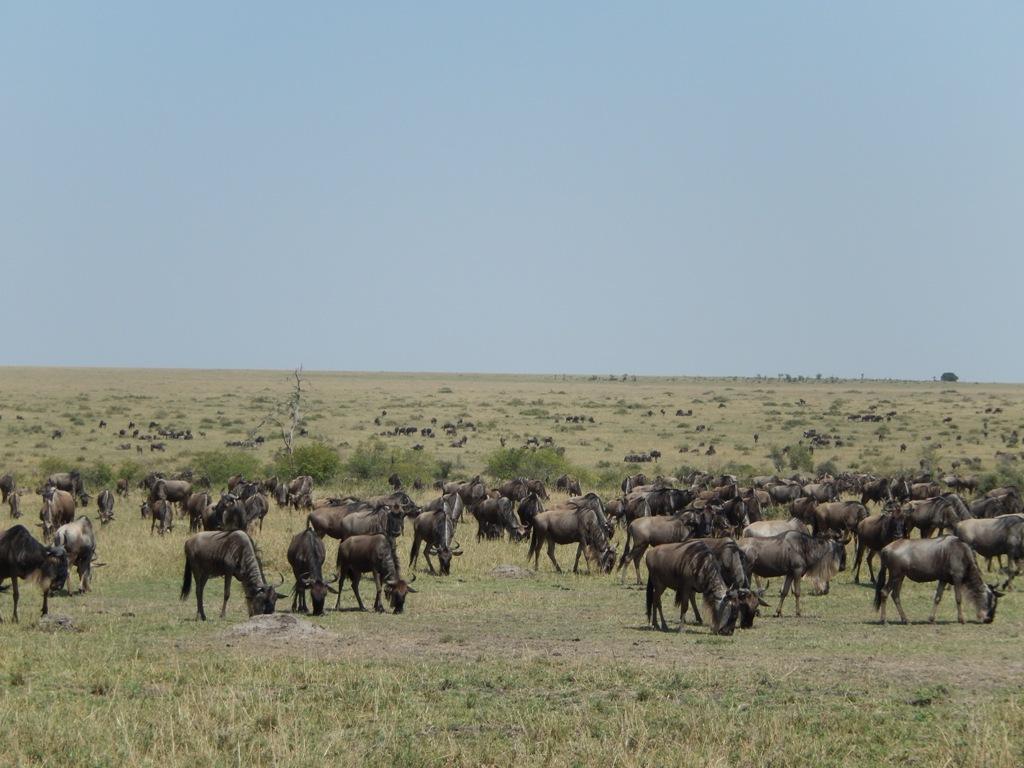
<point x="512" y="572"/>
<point x="58" y="622"/>
<point x="276" y="626"/>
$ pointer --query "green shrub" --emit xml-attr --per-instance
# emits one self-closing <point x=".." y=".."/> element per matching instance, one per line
<point x="376" y="461"/>
<point x="1004" y="474"/>
<point x="318" y="460"/>
<point x="801" y="458"/>
<point x="133" y="471"/>
<point x="220" y="465"/>
<point x="539" y="463"/>
<point x="95" y="476"/>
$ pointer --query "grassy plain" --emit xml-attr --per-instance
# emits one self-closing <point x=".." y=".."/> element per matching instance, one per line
<point x="481" y="670"/>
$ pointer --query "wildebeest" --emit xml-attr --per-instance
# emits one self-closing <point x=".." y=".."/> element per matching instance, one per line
<point x="174" y="491"/>
<point x="497" y="514"/>
<point x="306" y="554"/>
<point x="105" y="506"/>
<point x="471" y="491"/>
<point x="300" y="485"/>
<point x="436" y="528"/>
<point x="687" y="568"/>
<point x="765" y="529"/>
<point x="256" y="508"/>
<point x="922" y="491"/>
<point x="195" y="506"/>
<point x="374" y="554"/>
<point x="821" y="492"/>
<point x="529" y="508"/>
<point x="14" y="502"/>
<point x="122" y="487"/>
<point x="7" y="486"/>
<point x="794" y="555"/>
<point x="22" y="557"/>
<point x="989" y="506"/>
<point x="632" y="481"/>
<point x="568" y="484"/>
<point x="947" y="560"/>
<point x="994" y="537"/>
<point x="371" y="520"/>
<point x="940" y="513"/>
<point x="838" y="516"/>
<point x="570" y="524"/>
<point x="327" y="517"/>
<point x="784" y="493"/>
<point x="876" y="489"/>
<point x="666" y="501"/>
<point x="79" y="543"/>
<point x="58" y="509"/>
<point x="646" y="532"/>
<point x="875" y="532"/>
<point x="736" y="572"/>
<point x="281" y="495"/>
<point x="70" y="482"/>
<point x="518" y="488"/>
<point x="230" y="554"/>
<point x="162" y="516"/>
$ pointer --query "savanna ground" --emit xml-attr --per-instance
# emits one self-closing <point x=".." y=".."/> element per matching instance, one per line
<point x="483" y="670"/>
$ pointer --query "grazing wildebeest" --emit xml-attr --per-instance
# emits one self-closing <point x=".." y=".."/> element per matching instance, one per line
<point x="875" y="532"/>
<point x="195" y="506"/>
<point x="529" y="508"/>
<point x="105" y="506"/>
<point x="765" y="529"/>
<point x="736" y="574"/>
<point x="162" y="516"/>
<point x="7" y="486"/>
<point x="58" y="509"/>
<point x="994" y="537"/>
<point x="940" y="513"/>
<point x="794" y="555"/>
<point x="374" y="553"/>
<point x="79" y="543"/>
<point x="122" y="487"/>
<point x="572" y="525"/>
<point x="230" y="554"/>
<point x="306" y="554"/>
<point x="70" y="482"/>
<point x="497" y="515"/>
<point x="688" y="568"/>
<point x="22" y="557"/>
<point x="646" y="532"/>
<point x="436" y="527"/>
<point x="568" y="484"/>
<point x="839" y="517"/>
<point x="947" y="560"/>
<point x="14" y="502"/>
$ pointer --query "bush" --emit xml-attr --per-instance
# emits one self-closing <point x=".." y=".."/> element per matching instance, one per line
<point x="949" y="376"/>
<point x="220" y="465"/>
<point x="95" y="476"/>
<point x="375" y="461"/>
<point x="801" y="458"/>
<point x="318" y="460"/>
<point x="1004" y="474"/>
<point x="132" y="471"/>
<point x="540" y="464"/>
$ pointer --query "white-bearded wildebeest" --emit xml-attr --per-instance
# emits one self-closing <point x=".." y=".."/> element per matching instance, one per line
<point x="174" y="491"/>
<point x="105" y="506"/>
<point x="256" y="508"/>
<point x="195" y="506"/>
<point x="765" y="529"/>
<point x="667" y="501"/>
<point x="989" y="506"/>
<point x="436" y="528"/>
<point x="471" y="491"/>
<point x="794" y="555"/>
<point x="162" y="515"/>
<point x="568" y="484"/>
<point x="1012" y="503"/>
<point x="306" y="555"/>
<point x="940" y="513"/>
<point x="922" y="491"/>
<point x="14" y="502"/>
<point x="839" y="517"/>
<point x="647" y="532"/>
<point x="784" y="493"/>
<point x="70" y="482"/>
<point x="994" y="537"/>
<point x="632" y="481"/>
<point x="494" y="516"/>
<point x="821" y="492"/>
<point x="79" y="543"/>
<point x="736" y="572"/>
<point x="571" y="524"/>
<point x="519" y="488"/>
<point x="327" y="516"/>
<point x="373" y="520"/>
<point x="688" y="568"/>
<point x="529" y="508"/>
<point x="58" y="509"/>
<point x="230" y="554"/>
<point x="281" y="495"/>
<point x="22" y="557"/>
<point x="7" y="486"/>
<point x="299" y="488"/>
<point x="373" y="554"/>
<point x="875" y="532"/>
<point x="877" y="489"/>
<point x="947" y="560"/>
<point x="122" y="487"/>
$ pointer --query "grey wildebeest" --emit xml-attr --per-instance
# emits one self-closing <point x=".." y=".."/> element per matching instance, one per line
<point x="306" y="554"/>
<point x="14" y="502"/>
<point x="994" y="537"/>
<point x="70" y="482"/>
<point x="7" y="486"/>
<point x="529" y="508"/>
<point x="736" y="573"/>
<point x="784" y="493"/>
<point x="298" y="488"/>
<point x="105" y="506"/>
<point x="371" y="520"/>
<point x="875" y="532"/>
<point x="174" y="491"/>
<point x="497" y="515"/>
<point x="764" y="529"/>
<point x="195" y="506"/>
<point x="632" y="481"/>
<point x="58" y="509"/>
<point x="940" y="513"/>
<point x="374" y="554"/>
<point x="22" y="557"/>
<point x="839" y="517"/>
<point x="947" y="560"/>
<point x="570" y="524"/>
<point x="647" y="532"/>
<point x="162" y="516"/>
<point x="688" y="568"/>
<point x="568" y="484"/>
<point x="471" y="491"/>
<point x="79" y="543"/>
<point x="230" y="554"/>
<point x="794" y="555"/>
<point x="436" y="528"/>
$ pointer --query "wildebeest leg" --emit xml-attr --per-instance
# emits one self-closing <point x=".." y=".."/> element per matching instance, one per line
<point x="871" y="571"/>
<point x="200" y="585"/>
<point x="295" y="597"/>
<point x="856" y="562"/>
<point x="341" y="587"/>
<point x="938" y="597"/>
<point x="14" y="594"/>
<point x="414" y="553"/>
<point x="551" y="555"/>
<point x="896" y="584"/>
<point x="684" y="596"/>
<point x="958" y="594"/>
<point x="656" y="608"/>
<point x="227" y="594"/>
<point x="576" y="565"/>
<point x="697" y="618"/>
<point x="378" y="604"/>
<point x="355" y="589"/>
<point x="785" y="591"/>
<point x="797" y="581"/>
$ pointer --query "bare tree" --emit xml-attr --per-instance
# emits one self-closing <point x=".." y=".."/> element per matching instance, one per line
<point x="288" y="414"/>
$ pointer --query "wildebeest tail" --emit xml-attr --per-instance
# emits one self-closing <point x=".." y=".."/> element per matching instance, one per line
<point x="534" y="542"/>
<point x="650" y="598"/>
<point x="186" y="583"/>
<point x="627" y="547"/>
<point x="880" y="579"/>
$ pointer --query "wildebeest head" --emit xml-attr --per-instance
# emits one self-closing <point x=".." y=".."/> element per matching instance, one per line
<point x="318" y="589"/>
<point x="395" y="592"/>
<point x="987" y="604"/>
<point x="749" y="601"/>
<point x="53" y="573"/>
<point x="263" y="599"/>
<point x="725" y="612"/>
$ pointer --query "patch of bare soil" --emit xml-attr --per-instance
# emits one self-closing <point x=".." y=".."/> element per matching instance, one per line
<point x="512" y="572"/>
<point x="278" y="627"/>
<point x="58" y="622"/>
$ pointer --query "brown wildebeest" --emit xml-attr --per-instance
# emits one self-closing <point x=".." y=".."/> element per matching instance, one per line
<point x="70" y="482"/>
<point x="649" y="531"/>
<point x="947" y="560"/>
<point x="162" y="516"/>
<point x="174" y="491"/>
<point x="940" y="513"/>
<point x="568" y="484"/>
<point x="79" y="542"/>
<point x="58" y="509"/>
<point x="497" y="515"/>
<point x="571" y="525"/>
<point x="7" y="486"/>
<point x="736" y="573"/>
<point x="281" y="495"/>
<point x="922" y="491"/>
<point x="518" y="488"/>
<point x="1012" y="503"/>
<point x="989" y="506"/>
<point x="399" y="500"/>
<point x="794" y="555"/>
<point x="326" y="518"/>
<point x="632" y="481"/>
<point x="529" y="508"/>
<point x="105" y="506"/>
<point x="994" y="537"/>
<point x="122" y="487"/>
<point x="306" y="554"/>
<point x="14" y="502"/>
<point x="230" y="554"/>
<point x="784" y="493"/>
<point x="821" y="492"/>
<point x="365" y="522"/>
<point x="803" y="508"/>
<point x="765" y="529"/>
<point x="195" y="506"/>
<point x="839" y="517"/>
<point x="22" y="557"/>
<point x="256" y="508"/>
<point x="436" y="528"/>
<point x="877" y="489"/>
<point x="688" y="568"/>
<point x="471" y="491"/>
<point x="875" y="532"/>
<point x="300" y="486"/>
<point x="374" y="554"/>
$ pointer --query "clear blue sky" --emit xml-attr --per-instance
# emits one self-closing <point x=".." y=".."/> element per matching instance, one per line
<point x="711" y="188"/>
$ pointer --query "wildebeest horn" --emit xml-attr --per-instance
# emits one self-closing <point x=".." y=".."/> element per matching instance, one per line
<point x="413" y="578"/>
<point x="275" y="586"/>
<point x="333" y="578"/>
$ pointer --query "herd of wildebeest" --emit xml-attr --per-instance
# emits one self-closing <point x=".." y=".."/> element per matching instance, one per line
<point x="701" y="534"/>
